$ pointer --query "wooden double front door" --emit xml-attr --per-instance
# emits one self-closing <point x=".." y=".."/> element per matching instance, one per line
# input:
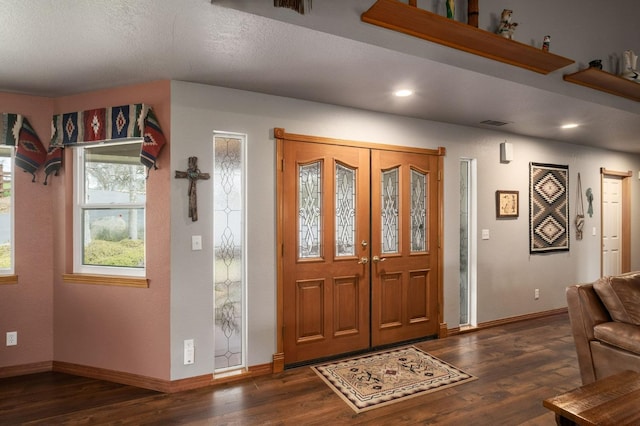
<point x="360" y="256"/>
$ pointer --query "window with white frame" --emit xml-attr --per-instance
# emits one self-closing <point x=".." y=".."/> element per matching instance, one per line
<point x="109" y="217"/>
<point x="6" y="210"/>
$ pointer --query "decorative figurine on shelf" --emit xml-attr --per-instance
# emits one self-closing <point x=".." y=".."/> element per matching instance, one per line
<point x="596" y="63"/>
<point x="629" y="70"/>
<point x="507" y="28"/>
<point x="451" y="9"/>
<point x="546" y="43"/>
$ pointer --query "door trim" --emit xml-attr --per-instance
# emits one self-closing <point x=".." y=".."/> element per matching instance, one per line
<point x="280" y="136"/>
<point x="626" y="217"/>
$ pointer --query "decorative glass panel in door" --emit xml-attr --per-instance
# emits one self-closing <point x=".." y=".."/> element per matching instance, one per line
<point x="389" y="212"/>
<point x="345" y="210"/>
<point x="310" y="210"/>
<point x="418" y="211"/>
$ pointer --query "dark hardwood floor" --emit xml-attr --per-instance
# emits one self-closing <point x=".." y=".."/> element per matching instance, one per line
<point x="517" y="365"/>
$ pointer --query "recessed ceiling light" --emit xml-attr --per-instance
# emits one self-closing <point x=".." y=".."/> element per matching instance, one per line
<point x="403" y="93"/>
<point x="570" y="126"/>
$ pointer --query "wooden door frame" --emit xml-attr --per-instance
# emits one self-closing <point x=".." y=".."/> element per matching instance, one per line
<point x="625" y="242"/>
<point x="280" y="136"/>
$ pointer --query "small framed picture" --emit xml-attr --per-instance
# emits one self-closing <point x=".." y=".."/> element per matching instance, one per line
<point x="507" y="204"/>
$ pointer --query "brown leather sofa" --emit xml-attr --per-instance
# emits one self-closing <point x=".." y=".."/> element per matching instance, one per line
<point x="605" y="322"/>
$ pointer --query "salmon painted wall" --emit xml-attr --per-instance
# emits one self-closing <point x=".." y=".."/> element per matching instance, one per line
<point x="27" y="307"/>
<point x="116" y="328"/>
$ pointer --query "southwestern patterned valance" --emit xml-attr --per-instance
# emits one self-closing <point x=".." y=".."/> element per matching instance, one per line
<point x="106" y="125"/>
<point x="15" y="130"/>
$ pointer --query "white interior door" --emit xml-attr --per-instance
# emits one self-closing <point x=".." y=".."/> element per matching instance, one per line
<point x="611" y="225"/>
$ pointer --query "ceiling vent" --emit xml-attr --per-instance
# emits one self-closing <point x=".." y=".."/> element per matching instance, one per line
<point x="493" y="123"/>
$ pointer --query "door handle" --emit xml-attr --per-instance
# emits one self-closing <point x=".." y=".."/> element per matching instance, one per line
<point x="363" y="260"/>
<point x="377" y="259"/>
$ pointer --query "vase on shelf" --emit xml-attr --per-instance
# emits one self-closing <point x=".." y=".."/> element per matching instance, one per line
<point x="596" y="63"/>
<point x="451" y="9"/>
<point x="629" y="61"/>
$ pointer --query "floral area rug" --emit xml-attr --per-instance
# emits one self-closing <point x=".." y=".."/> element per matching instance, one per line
<point x="383" y="378"/>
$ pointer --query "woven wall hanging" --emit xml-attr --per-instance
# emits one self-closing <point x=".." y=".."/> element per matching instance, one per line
<point x="548" y="208"/>
<point x="579" y="211"/>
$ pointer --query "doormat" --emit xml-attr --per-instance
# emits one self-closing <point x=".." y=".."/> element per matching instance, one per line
<point x="548" y="208"/>
<point x="383" y="378"/>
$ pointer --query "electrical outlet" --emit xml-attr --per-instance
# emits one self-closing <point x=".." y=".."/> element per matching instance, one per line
<point x="536" y="294"/>
<point x="12" y="338"/>
<point x="189" y="352"/>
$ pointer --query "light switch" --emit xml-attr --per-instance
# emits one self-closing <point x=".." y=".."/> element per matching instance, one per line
<point x="485" y="234"/>
<point x="196" y="242"/>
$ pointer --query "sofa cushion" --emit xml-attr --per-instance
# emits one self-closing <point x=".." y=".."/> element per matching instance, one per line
<point x="621" y="296"/>
<point x="619" y="334"/>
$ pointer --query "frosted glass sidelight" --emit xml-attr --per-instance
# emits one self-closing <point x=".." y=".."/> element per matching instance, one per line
<point x="465" y="203"/>
<point x="418" y="211"/>
<point x="310" y="210"/>
<point x="390" y="229"/>
<point x="345" y="211"/>
<point x="228" y="253"/>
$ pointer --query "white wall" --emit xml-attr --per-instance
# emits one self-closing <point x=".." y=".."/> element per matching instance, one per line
<point x="507" y="274"/>
<point x="582" y="30"/>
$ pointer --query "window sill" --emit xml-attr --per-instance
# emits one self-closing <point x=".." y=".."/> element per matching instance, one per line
<point x="112" y="280"/>
<point x="8" y="279"/>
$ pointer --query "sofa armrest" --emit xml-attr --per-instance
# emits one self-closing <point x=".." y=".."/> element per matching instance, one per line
<point x="619" y="334"/>
<point x="585" y="312"/>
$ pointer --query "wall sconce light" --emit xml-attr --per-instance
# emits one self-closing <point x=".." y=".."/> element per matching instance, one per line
<point x="506" y="152"/>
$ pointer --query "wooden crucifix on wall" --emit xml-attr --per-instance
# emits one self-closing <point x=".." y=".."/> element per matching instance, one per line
<point x="193" y="174"/>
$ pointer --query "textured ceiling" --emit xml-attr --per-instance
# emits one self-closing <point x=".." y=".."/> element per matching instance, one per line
<point x="63" y="47"/>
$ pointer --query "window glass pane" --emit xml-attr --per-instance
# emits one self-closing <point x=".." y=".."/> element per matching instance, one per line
<point x="113" y="174"/>
<point x="6" y="210"/>
<point x="228" y="252"/>
<point x="389" y="212"/>
<point x="113" y="237"/>
<point x="345" y="210"/>
<point x="418" y="211"/>
<point x="111" y="214"/>
<point x="310" y="210"/>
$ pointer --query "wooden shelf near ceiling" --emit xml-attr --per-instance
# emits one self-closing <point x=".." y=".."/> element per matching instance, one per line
<point x="397" y="16"/>
<point x="597" y="79"/>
